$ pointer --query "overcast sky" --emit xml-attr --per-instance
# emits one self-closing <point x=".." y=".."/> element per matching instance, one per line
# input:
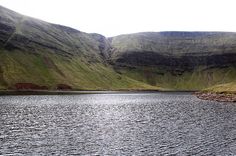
<point x="114" y="17"/>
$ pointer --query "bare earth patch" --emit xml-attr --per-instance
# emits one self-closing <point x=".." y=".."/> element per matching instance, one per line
<point x="221" y="97"/>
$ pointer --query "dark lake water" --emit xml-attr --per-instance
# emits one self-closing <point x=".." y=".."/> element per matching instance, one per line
<point x="116" y="124"/>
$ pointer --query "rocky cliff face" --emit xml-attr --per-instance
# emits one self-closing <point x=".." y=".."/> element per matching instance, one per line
<point x="180" y="60"/>
<point x="184" y="50"/>
<point x="39" y="53"/>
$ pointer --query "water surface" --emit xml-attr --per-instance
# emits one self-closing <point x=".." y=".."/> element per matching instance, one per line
<point x="116" y="124"/>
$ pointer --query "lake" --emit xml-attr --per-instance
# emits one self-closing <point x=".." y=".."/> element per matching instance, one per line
<point x="141" y="123"/>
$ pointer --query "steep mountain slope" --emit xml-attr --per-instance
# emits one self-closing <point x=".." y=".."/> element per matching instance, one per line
<point x="179" y="60"/>
<point x="38" y="55"/>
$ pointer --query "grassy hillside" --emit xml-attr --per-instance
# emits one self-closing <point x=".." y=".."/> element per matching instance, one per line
<point x="176" y="60"/>
<point x="198" y="79"/>
<point x="175" y="43"/>
<point x="51" y="70"/>
<point x="37" y="54"/>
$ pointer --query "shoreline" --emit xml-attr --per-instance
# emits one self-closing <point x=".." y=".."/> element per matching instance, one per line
<point x="219" y="97"/>
<point x="74" y="92"/>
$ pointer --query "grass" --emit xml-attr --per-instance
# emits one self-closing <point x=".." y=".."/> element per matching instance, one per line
<point x="23" y="67"/>
<point x="198" y="79"/>
<point x="176" y="44"/>
<point x="2" y="87"/>
<point x="50" y="54"/>
<point x="223" y="88"/>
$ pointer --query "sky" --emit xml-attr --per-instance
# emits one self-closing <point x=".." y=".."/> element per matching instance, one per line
<point x="115" y="17"/>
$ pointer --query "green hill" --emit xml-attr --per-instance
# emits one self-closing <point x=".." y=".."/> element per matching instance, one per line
<point x="176" y="60"/>
<point x="38" y="55"/>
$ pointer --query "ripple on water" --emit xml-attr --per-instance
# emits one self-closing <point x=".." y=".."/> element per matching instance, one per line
<point x="116" y="124"/>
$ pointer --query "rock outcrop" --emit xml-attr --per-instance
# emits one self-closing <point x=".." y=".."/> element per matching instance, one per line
<point x="181" y="50"/>
<point x="180" y="60"/>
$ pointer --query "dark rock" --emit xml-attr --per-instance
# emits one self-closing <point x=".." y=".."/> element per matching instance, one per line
<point x="64" y="87"/>
<point x="178" y="64"/>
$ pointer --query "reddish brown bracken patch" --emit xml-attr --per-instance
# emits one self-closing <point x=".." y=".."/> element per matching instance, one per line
<point x="29" y="86"/>
<point x="63" y="87"/>
<point x="221" y="97"/>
